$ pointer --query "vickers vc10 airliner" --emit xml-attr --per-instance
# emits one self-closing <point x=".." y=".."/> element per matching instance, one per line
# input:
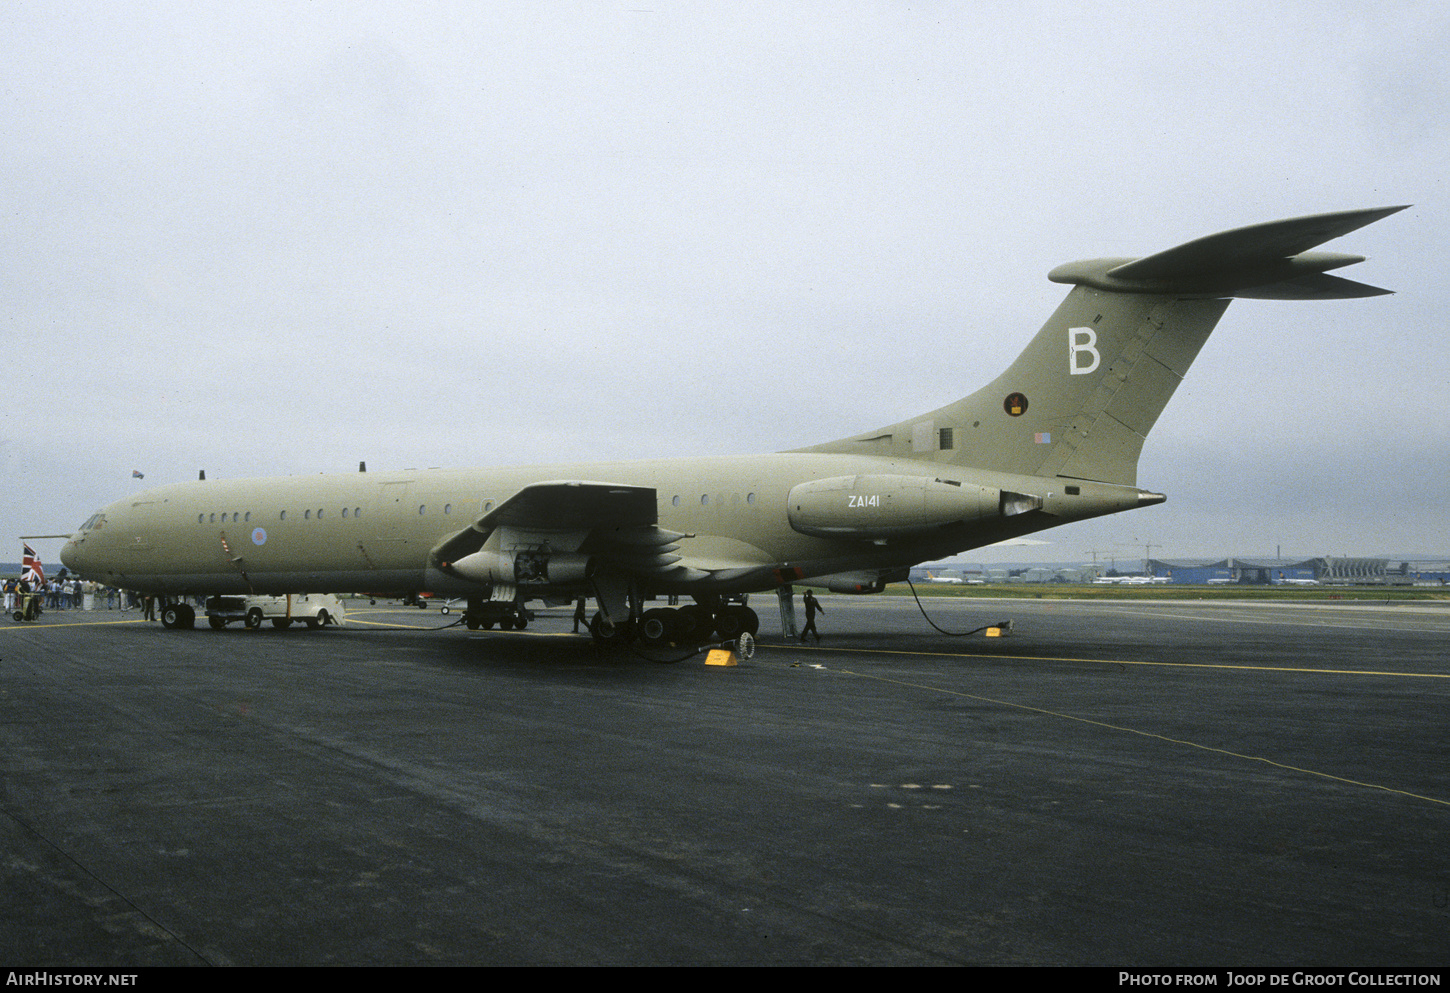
<point x="1054" y="439"/>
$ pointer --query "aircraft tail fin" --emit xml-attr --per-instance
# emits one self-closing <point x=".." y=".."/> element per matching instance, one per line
<point x="1079" y="401"/>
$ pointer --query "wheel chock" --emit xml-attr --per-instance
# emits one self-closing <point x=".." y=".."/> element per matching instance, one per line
<point x="731" y="653"/>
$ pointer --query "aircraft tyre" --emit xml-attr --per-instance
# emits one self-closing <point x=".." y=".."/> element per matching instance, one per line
<point x="752" y="621"/>
<point x="693" y="624"/>
<point x="607" y="634"/>
<point x="253" y="619"/>
<point x="177" y="617"/>
<point x="734" y="620"/>
<point x="658" y="626"/>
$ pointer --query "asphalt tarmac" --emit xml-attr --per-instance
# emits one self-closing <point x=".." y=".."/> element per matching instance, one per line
<point x="1122" y="784"/>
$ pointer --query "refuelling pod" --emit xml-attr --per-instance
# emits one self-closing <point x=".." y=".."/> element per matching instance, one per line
<point x="886" y="506"/>
<point x="529" y="567"/>
<point x="861" y="581"/>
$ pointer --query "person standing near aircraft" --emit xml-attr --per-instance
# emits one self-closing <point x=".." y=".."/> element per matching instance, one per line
<point x="812" y="605"/>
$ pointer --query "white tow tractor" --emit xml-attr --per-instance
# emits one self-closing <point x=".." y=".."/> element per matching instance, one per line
<point x="313" y="609"/>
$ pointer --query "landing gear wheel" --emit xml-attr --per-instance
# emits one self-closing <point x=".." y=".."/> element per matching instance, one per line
<point x="657" y="627"/>
<point x="177" y="617"/>
<point x="751" y="621"/>
<point x="729" y="623"/>
<point x="607" y="634"/>
<point x="694" y="624"/>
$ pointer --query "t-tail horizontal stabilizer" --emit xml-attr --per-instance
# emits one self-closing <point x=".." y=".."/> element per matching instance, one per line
<point x="1268" y="261"/>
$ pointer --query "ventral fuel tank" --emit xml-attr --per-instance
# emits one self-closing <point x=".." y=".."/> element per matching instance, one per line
<point x="886" y="506"/>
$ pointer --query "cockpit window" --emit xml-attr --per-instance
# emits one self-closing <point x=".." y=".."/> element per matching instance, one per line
<point x="95" y="521"/>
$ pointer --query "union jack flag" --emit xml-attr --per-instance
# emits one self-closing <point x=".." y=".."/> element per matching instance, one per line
<point x="34" y="571"/>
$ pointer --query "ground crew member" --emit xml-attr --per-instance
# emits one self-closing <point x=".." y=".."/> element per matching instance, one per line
<point x="812" y="605"/>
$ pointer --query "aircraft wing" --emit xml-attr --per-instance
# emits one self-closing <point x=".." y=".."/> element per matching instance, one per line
<point x="574" y="528"/>
<point x="574" y="504"/>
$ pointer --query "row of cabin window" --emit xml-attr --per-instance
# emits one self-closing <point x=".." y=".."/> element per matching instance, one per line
<point x="705" y="499"/>
<point x="246" y="518"/>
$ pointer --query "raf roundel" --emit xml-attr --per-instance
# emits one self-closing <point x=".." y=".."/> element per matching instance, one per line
<point x="259" y="537"/>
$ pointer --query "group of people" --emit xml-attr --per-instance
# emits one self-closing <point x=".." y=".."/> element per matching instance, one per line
<point x="67" y="594"/>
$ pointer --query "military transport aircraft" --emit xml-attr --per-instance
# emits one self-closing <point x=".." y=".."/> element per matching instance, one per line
<point x="1054" y="439"/>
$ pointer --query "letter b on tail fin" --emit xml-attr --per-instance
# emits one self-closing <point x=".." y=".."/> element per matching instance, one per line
<point x="1082" y="341"/>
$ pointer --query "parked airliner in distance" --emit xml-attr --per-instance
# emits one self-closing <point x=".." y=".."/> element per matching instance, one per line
<point x="1053" y="439"/>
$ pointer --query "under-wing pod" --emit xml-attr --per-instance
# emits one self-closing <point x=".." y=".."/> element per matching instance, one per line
<point x="886" y="506"/>
<point x="862" y="580"/>
<point x="527" y="567"/>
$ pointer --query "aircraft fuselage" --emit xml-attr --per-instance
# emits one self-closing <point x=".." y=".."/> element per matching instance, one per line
<point x="373" y="531"/>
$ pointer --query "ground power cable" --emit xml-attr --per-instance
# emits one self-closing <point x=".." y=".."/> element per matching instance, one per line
<point x="1004" y="625"/>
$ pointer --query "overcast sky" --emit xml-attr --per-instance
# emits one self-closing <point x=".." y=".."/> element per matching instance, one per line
<point x="278" y="238"/>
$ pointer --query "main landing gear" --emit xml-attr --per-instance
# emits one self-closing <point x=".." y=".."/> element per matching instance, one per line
<point x="482" y="616"/>
<point x="692" y="625"/>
